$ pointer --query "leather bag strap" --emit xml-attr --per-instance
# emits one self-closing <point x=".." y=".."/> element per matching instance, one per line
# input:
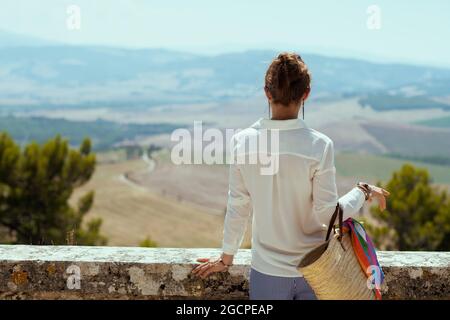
<point x="338" y="213"/>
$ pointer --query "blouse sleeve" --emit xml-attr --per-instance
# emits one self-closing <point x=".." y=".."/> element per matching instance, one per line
<point x="325" y="194"/>
<point x="238" y="212"/>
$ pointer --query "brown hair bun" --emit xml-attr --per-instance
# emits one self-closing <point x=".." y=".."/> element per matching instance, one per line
<point x="287" y="78"/>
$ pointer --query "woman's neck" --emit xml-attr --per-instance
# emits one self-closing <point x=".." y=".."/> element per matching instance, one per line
<point x="280" y="112"/>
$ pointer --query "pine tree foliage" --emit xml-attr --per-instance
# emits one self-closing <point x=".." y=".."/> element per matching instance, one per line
<point x="417" y="216"/>
<point x="36" y="183"/>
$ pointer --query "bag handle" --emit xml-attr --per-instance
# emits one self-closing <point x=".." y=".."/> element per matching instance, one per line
<point x="338" y="213"/>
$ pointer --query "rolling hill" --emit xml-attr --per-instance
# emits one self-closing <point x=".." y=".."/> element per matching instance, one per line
<point x="103" y="134"/>
<point x="39" y="74"/>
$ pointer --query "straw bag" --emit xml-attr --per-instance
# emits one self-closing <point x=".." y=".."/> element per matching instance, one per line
<point x="332" y="269"/>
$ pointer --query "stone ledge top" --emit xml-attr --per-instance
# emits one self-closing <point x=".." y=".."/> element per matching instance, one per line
<point x="186" y="255"/>
<point x="436" y="259"/>
<point x="113" y="254"/>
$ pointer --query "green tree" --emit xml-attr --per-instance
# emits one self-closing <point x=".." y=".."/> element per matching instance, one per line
<point x="36" y="183"/>
<point x="148" y="243"/>
<point x="417" y="216"/>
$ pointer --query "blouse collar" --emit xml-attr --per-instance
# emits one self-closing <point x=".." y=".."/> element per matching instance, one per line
<point x="264" y="123"/>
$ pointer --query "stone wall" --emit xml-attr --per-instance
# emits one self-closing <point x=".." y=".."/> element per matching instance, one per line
<point x="79" y="272"/>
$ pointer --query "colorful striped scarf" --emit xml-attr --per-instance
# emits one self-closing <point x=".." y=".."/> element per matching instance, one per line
<point x="366" y="254"/>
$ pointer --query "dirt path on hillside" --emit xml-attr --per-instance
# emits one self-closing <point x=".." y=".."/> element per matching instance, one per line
<point x="131" y="213"/>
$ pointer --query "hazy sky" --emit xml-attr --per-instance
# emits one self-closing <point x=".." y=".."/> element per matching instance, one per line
<point x="410" y="31"/>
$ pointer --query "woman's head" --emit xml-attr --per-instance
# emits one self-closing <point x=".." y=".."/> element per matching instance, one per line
<point x="288" y="80"/>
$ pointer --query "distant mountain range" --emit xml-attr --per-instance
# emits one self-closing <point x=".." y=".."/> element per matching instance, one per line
<point x="35" y="73"/>
<point x="11" y="39"/>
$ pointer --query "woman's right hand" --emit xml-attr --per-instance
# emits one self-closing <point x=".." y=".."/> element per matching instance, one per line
<point x="380" y="194"/>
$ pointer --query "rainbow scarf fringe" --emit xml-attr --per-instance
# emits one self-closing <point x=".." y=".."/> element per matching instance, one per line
<point x="365" y="253"/>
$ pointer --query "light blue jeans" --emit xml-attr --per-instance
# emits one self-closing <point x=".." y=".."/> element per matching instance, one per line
<point x="267" y="287"/>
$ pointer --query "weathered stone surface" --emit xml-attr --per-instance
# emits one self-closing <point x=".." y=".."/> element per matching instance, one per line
<point x="416" y="275"/>
<point x="78" y="272"/>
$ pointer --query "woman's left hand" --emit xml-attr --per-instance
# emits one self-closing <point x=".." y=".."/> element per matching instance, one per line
<point x="380" y="194"/>
<point x="207" y="267"/>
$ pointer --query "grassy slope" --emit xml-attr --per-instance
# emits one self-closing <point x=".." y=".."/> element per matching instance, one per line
<point x="132" y="213"/>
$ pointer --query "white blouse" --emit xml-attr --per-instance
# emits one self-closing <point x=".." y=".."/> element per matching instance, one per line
<point x="292" y="207"/>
